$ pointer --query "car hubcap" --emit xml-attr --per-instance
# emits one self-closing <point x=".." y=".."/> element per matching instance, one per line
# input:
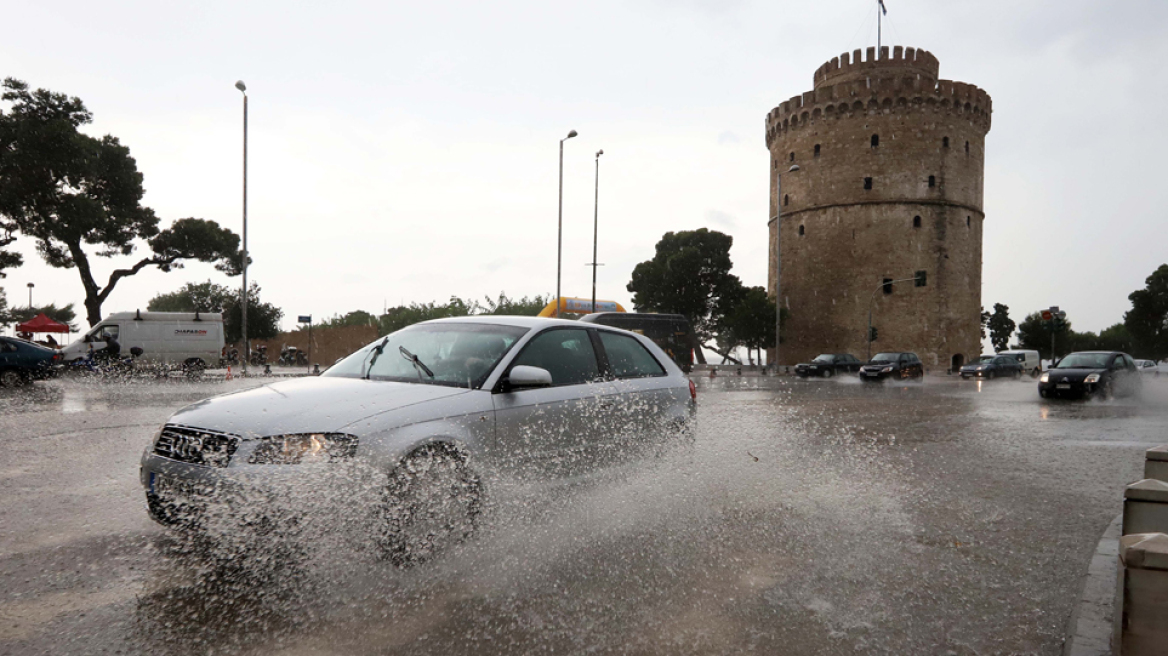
<point x="432" y="502"/>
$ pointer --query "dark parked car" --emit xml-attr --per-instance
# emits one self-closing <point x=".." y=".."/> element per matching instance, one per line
<point x="827" y="365"/>
<point x="993" y="366"/>
<point x="897" y="366"/>
<point x="22" y="361"/>
<point x="1091" y="373"/>
<point x="671" y="332"/>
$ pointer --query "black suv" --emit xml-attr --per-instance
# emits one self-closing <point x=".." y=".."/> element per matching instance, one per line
<point x="828" y="365"/>
<point x="897" y="366"/>
<point x="992" y="366"/>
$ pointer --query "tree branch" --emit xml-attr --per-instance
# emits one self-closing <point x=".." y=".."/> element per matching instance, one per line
<point x="118" y="274"/>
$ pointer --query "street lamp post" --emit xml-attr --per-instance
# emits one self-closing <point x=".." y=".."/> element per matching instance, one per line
<point x="30" y="286"/>
<point x="595" y="227"/>
<point x="779" y="257"/>
<point x="243" y="300"/>
<point x="560" y="229"/>
<point x="871" y="300"/>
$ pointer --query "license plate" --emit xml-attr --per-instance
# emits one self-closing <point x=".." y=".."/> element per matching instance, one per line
<point x="1063" y="386"/>
<point x="813" y="367"/>
<point x="166" y="486"/>
<point x="869" y="373"/>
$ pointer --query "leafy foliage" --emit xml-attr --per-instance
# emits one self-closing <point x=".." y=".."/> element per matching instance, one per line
<point x="751" y="321"/>
<point x="397" y="318"/>
<point x="1001" y="327"/>
<point x="17" y="315"/>
<point x="263" y="319"/>
<point x="354" y="318"/>
<point x="1147" y="321"/>
<point x="525" y="306"/>
<point x="689" y="275"/>
<point x="79" y="196"/>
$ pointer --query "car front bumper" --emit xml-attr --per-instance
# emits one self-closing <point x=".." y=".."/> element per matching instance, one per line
<point x="1077" y="389"/>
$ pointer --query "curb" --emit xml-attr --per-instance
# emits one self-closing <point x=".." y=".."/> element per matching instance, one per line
<point x="1090" y="626"/>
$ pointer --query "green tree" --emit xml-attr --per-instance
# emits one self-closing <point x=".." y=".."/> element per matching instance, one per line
<point x="1034" y="333"/>
<point x="78" y="197"/>
<point x="751" y="321"/>
<point x="263" y="319"/>
<point x="16" y="315"/>
<point x="514" y="306"/>
<point x="1147" y="321"/>
<point x="354" y="318"/>
<point x="1001" y="327"/>
<point x="689" y="275"/>
<point x="397" y="318"/>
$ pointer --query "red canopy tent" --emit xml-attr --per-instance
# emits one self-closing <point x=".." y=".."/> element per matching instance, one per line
<point x="41" y="323"/>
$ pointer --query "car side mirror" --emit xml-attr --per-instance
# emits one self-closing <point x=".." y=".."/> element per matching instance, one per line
<point x="525" y="377"/>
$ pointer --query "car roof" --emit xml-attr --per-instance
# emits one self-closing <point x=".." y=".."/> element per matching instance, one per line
<point x="510" y="320"/>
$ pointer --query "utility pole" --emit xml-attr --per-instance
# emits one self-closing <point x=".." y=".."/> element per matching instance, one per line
<point x="243" y="300"/>
<point x="595" y="227"/>
<point x="560" y="229"/>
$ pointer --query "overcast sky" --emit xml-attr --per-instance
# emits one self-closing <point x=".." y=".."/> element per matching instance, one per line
<point x="405" y="151"/>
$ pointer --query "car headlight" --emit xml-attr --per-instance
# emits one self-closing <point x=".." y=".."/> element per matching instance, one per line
<point x="886" y="369"/>
<point x="306" y="447"/>
<point x="1091" y="378"/>
<point x="1045" y="378"/>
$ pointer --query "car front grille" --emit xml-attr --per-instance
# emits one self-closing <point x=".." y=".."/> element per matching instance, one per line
<point x="196" y="445"/>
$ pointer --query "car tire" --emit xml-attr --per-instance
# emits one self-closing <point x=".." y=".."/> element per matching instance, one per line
<point x="1036" y="373"/>
<point x="990" y="375"/>
<point x="432" y="501"/>
<point x="828" y="373"/>
<point x="11" y="378"/>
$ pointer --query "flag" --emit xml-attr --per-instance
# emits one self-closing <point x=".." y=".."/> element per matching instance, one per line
<point x="882" y="7"/>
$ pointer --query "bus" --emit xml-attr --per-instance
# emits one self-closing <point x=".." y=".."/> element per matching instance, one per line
<point x="671" y="332"/>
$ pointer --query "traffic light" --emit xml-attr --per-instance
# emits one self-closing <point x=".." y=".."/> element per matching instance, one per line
<point x="871" y="333"/>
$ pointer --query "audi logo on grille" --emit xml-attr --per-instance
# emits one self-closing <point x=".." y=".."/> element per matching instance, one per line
<point x="196" y="446"/>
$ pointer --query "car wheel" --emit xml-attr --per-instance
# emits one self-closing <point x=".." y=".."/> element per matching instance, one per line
<point x="828" y="373"/>
<point x="432" y="501"/>
<point x="990" y="375"/>
<point x="11" y="378"/>
<point x="1105" y="390"/>
<point x="1036" y="373"/>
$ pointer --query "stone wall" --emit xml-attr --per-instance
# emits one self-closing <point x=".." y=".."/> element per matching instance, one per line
<point x="328" y="344"/>
<point x="890" y="183"/>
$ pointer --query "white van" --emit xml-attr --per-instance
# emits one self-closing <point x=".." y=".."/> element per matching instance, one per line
<point x="192" y="339"/>
<point x="1029" y="359"/>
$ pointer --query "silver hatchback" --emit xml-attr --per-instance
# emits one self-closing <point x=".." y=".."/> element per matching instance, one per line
<point x="430" y="416"/>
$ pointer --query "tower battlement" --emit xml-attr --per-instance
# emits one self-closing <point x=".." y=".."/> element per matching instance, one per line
<point x="883" y="94"/>
<point x="903" y="62"/>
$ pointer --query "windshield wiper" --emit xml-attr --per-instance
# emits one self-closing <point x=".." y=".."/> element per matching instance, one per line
<point x="373" y="355"/>
<point x="418" y="366"/>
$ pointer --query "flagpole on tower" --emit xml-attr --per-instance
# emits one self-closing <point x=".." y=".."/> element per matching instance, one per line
<point x="879" y="25"/>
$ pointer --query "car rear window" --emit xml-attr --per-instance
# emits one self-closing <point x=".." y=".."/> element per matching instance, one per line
<point x="628" y="357"/>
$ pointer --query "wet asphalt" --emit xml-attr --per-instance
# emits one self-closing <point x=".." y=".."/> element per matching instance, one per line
<point x="810" y="517"/>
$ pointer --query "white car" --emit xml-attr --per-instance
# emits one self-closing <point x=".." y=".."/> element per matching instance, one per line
<point x="1149" y="367"/>
<point x="438" y="413"/>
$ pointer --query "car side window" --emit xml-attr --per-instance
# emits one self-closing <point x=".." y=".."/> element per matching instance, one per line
<point x="566" y="354"/>
<point x="1129" y="362"/>
<point x="7" y="347"/>
<point x="628" y="357"/>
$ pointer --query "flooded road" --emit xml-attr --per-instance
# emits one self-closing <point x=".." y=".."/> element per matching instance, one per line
<point x="809" y="518"/>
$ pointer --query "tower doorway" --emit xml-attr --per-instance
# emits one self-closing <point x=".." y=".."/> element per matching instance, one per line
<point x="957" y="363"/>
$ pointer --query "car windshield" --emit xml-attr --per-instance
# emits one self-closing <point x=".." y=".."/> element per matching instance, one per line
<point x="885" y="358"/>
<point x="1084" y="361"/>
<point x="986" y="359"/>
<point x="826" y="357"/>
<point x="452" y="354"/>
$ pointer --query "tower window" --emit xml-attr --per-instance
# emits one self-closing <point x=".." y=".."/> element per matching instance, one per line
<point x="916" y="221"/>
<point x="817" y="150"/>
<point x="888" y="285"/>
<point x="967" y="222"/>
<point x="786" y="199"/>
<point x="932" y="181"/>
<point x="921" y="279"/>
<point x="875" y="140"/>
<point x="966" y="147"/>
<point x="867" y="183"/>
<point x="792" y="156"/>
<point x="945" y="142"/>
<point x="801" y="231"/>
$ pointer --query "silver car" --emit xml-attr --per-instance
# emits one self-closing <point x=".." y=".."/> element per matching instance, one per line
<point x="433" y="415"/>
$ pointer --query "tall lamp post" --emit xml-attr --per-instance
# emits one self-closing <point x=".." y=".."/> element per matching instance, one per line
<point x="779" y="258"/>
<point x="595" y="226"/>
<point x="30" y="286"/>
<point x="243" y="301"/>
<point x="872" y="300"/>
<point x="560" y="230"/>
